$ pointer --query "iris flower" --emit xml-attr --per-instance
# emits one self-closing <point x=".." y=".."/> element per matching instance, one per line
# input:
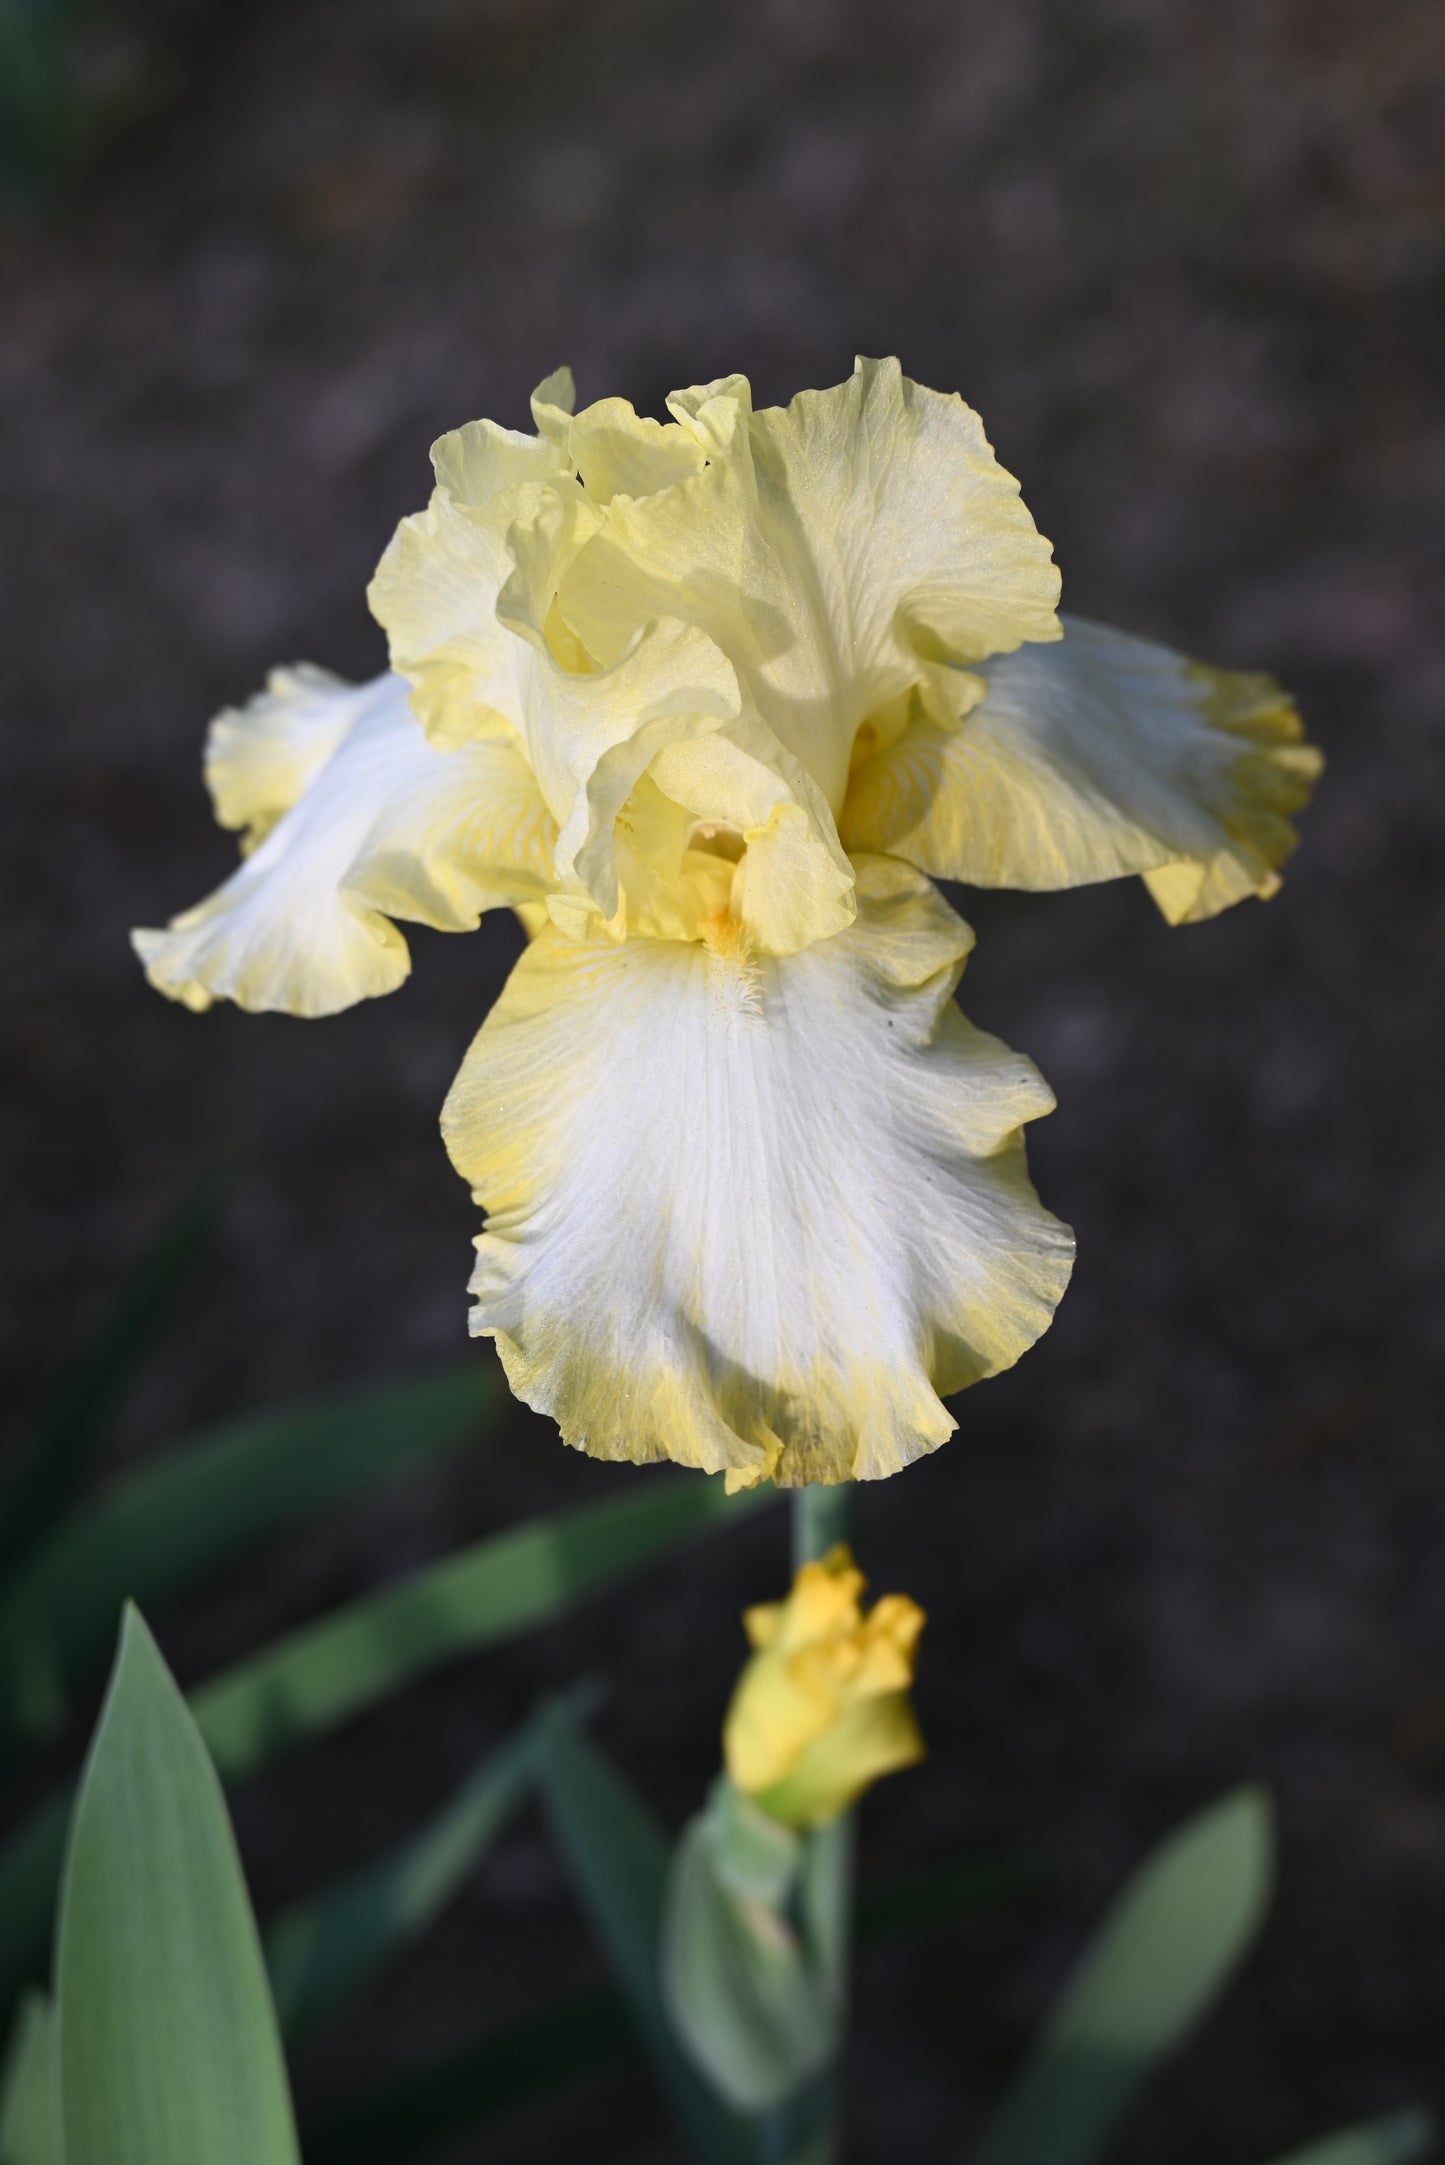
<point x="711" y="703"/>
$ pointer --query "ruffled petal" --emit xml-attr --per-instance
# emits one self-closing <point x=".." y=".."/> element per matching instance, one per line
<point x="261" y="756"/>
<point x="437" y="586"/>
<point x="385" y="826"/>
<point x="676" y="811"/>
<point x="840" y="550"/>
<point x="435" y="590"/>
<point x="616" y="450"/>
<point x="754" y="1216"/>
<point x="1094" y="757"/>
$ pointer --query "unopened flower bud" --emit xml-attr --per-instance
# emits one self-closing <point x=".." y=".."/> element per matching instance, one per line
<point x="822" y="1709"/>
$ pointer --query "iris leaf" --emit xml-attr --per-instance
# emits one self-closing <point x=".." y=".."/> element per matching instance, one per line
<point x="169" y="2049"/>
<point x="405" y="2118"/>
<point x="30" y="2088"/>
<point x="324" y="1952"/>
<point x="310" y="1681"/>
<point x="72" y="1430"/>
<point x="1396" y="2139"/>
<point x="618" y="1857"/>
<point x="494" y="1591"/>
<point x="183" y="1515"/>
<point x="1162" y="1956"/>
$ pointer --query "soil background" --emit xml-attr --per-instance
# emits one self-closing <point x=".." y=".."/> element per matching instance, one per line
<point x="1187" y="261"/>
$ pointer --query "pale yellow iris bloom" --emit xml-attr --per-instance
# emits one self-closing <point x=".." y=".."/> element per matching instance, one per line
<point x="822" y="1710"/>
<point x="708" y="702"/>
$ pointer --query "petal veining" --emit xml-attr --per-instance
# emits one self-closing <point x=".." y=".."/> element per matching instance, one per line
<point x="1090" y="758"/>
<point x="838" y="549"/>
<point x="386" y="826"/>
<point x="755" y="1216"/>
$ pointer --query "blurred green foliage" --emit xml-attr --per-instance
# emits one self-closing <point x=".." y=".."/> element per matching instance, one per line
<point x="36" y="118"/>
<point x="161" y="2044"/>
<point x="70" y="1562"/>
<point x="74" y="76"/>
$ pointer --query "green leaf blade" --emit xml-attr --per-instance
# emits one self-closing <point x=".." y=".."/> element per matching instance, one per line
<point x="1399" y="2138"/>
<point x="169" y="2050"/>
<point x="1164" y="1953"/>
<point x="323" y="1953"/>
<point x="30" y="2088"/>
<point x="310" y="1681"/>
<point x="193" y="1510"/>
<point x="460" y="2091"/>
<point x="492" y="1592"/>
<point x="75" y="1425"/>
<point x="619" y="1862"/>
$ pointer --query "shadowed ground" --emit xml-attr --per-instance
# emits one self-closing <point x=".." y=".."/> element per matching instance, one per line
<point x="1187" y="261"/>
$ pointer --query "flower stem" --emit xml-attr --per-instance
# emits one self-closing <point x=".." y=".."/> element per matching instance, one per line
<point x="820" y="1522"/>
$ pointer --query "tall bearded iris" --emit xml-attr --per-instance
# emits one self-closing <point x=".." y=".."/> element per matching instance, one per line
<point x="707" y="702"/>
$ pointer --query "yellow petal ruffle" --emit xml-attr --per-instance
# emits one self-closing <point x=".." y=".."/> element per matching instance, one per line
<point x="615" y="450"/>
<point x="435" y="590"/>
<point x="676" y="810"/>
<point x="1089" y="758"/>
<point x="382" y="825"/>
<point x="840" y="550"/>
<point x="754" y="1216"/>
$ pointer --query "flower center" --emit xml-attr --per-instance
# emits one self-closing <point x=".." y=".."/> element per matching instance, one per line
<point x="676" y="868"/>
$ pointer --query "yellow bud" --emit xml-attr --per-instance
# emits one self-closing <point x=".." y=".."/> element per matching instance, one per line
<point x="822" y="1708"/>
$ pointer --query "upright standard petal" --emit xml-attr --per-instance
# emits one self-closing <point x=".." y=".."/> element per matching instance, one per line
<point x="839" y="550"/>
<point x="1094" y="757"/>
<point x="616" y="450"/>
<point x="754" y="1215"/>
<point x="437" y="586"/>
<point x="681" y="815"/>
<point x="384" y="826"/>
<point x="435" y="589"/>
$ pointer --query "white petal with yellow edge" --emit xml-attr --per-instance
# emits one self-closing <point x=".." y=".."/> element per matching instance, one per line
<point x="1090" y="758"/>
<point x="387" y="826"/>
<point x="838" y="549"/>
<point x="261" y="756"/>
<point x="755" y="1217"/>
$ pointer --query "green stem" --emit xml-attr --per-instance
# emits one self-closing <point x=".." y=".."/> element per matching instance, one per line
<point x="820" y="1522"/>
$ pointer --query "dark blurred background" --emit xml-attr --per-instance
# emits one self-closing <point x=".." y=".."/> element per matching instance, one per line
<point x="1187" y="260"/>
